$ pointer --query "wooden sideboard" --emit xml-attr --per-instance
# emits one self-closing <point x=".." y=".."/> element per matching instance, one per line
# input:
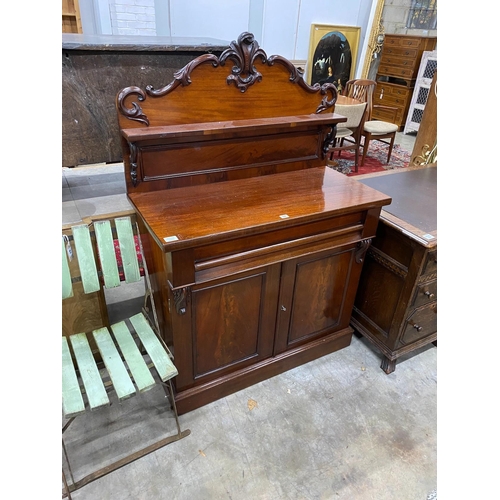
<point x="396" y="302"/>
<point x="254" y="246"/>
<point x="397" y="72"/>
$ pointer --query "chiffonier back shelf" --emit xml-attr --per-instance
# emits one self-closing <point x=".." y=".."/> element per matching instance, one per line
<point x="238" y="115"/>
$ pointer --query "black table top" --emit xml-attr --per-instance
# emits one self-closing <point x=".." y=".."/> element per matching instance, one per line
<point x="413" y="193"/>
<point x="79" y="41"/>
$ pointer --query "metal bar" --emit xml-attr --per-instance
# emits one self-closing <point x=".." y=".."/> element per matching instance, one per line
<point x="127" y="460"/>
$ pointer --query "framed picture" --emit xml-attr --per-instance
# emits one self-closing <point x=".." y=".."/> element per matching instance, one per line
<point x="332" y="54"/>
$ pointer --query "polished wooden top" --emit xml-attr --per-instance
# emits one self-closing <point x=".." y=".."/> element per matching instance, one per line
<point x="196" y="215"/>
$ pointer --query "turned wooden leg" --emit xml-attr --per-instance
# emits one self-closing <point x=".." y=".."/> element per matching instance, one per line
<point x="388" y="365"/>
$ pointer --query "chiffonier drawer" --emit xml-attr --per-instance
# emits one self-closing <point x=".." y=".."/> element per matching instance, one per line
<point x="421" y="323"/>
<point x="425" y="294"/>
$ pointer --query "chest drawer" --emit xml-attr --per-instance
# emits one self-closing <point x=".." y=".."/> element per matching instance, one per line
<point x="399" y="61"/>
<point x="400" y="41"/>
<point x="421" y="323"/>
<point x="387" y="69"/>
<point x="391" y="91"/>
<point x="425" y="293"/>
<point x="396" y="51"/>
<point x="387" y="99"/>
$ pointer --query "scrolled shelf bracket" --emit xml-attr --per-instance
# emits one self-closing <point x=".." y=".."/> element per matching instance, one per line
<point x="362" y="249"/>
<point x="180" y="300"/>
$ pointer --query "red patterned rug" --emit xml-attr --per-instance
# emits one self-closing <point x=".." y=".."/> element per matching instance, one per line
<point x="376" y="160"/>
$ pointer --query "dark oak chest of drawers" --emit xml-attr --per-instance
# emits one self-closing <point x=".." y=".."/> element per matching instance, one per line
<point x="396" y="302"/>
<point x="397" y="72"/>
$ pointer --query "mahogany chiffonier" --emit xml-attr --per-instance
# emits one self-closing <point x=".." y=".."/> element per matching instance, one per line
<point x="255" y="247"/>
<point x="396" y="302"/>
<point x="397" y="73"/>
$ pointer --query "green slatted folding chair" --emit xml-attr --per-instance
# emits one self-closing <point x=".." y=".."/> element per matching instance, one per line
<point x="130" y="356"/>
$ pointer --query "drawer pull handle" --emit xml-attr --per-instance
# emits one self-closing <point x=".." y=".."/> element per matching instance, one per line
<point x="429" y="295"/>
<point x="418" y="328"/>
<point x="283" y="308"/>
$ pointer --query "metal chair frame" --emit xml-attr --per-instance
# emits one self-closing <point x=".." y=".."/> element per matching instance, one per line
<point x="149" y="313"/>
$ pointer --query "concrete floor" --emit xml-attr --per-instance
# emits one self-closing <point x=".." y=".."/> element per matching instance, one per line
<point x="335" y="428"/>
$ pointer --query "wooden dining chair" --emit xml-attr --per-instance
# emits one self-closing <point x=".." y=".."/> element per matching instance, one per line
<point x="373" y="130"/>
<point x="352" y="129"/>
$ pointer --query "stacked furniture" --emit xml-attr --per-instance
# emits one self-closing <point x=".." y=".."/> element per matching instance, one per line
<point x="397" y="74"/>
<point x="255" y="247"/>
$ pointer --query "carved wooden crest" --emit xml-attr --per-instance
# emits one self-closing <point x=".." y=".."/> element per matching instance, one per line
<point x="243" y="53"/>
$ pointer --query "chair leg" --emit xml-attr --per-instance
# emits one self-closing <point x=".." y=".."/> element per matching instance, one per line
<point x="366" y="143"/>
<point x="168" y="388"/>
<point x="356" y="159"/>
<point x="391" y="145"/>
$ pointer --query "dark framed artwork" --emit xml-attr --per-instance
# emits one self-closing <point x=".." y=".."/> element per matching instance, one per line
<point x="332" y="54"/>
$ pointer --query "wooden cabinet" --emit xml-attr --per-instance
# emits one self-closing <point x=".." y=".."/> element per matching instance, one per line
<point x="396" y="302"/>
<point x="397" y="72"/>
<point x="254" y="246"/>
<point x="255" y="283"/>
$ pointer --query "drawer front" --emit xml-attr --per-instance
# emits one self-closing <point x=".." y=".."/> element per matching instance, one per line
<point x="422" y="323"/>
<point x="425" y="294"/>
<point x="401" y="42"/>
<point x="392" y="92"/>
<point x="399" y="92"/>
<point x="227" y="258"/>
<point x="386" y="69"/>
<point x="396" y="51"/>
<point x="387" y="115"/>
<point x="389" y="99"/>
<point x="402" y="62"/>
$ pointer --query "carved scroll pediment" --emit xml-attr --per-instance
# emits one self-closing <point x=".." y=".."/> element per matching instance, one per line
<point x="244" y="53"/>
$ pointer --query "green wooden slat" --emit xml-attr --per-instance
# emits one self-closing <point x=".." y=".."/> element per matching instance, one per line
<point x="73" y="404"/>
<point x="136" y="364"/>
<point x="127" y="249"/>
<point x="67" y="287"/>
<point x="159" y="356"/>
<point x="94" y="387"/>
<point x="86" y="261"/>
<point x="107" y="254"/>
<point x="119" y="376"/>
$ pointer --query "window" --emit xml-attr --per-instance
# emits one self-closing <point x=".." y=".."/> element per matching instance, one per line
<point x="423" y="15"/>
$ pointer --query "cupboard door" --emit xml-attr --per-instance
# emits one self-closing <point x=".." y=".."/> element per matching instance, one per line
<point x="316" y="298"/>
<point x="229" y="324"/>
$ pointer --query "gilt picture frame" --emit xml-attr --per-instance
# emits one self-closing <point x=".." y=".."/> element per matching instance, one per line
<point x="333" y="51"/>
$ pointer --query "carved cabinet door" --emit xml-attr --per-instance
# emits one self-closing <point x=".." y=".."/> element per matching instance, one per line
<point x="316" y="297"/>
<point x="229" y="324"/>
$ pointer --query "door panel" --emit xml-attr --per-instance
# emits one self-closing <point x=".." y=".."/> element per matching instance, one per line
<point x="232" y="324"/>
<point x="313" y="297"/>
